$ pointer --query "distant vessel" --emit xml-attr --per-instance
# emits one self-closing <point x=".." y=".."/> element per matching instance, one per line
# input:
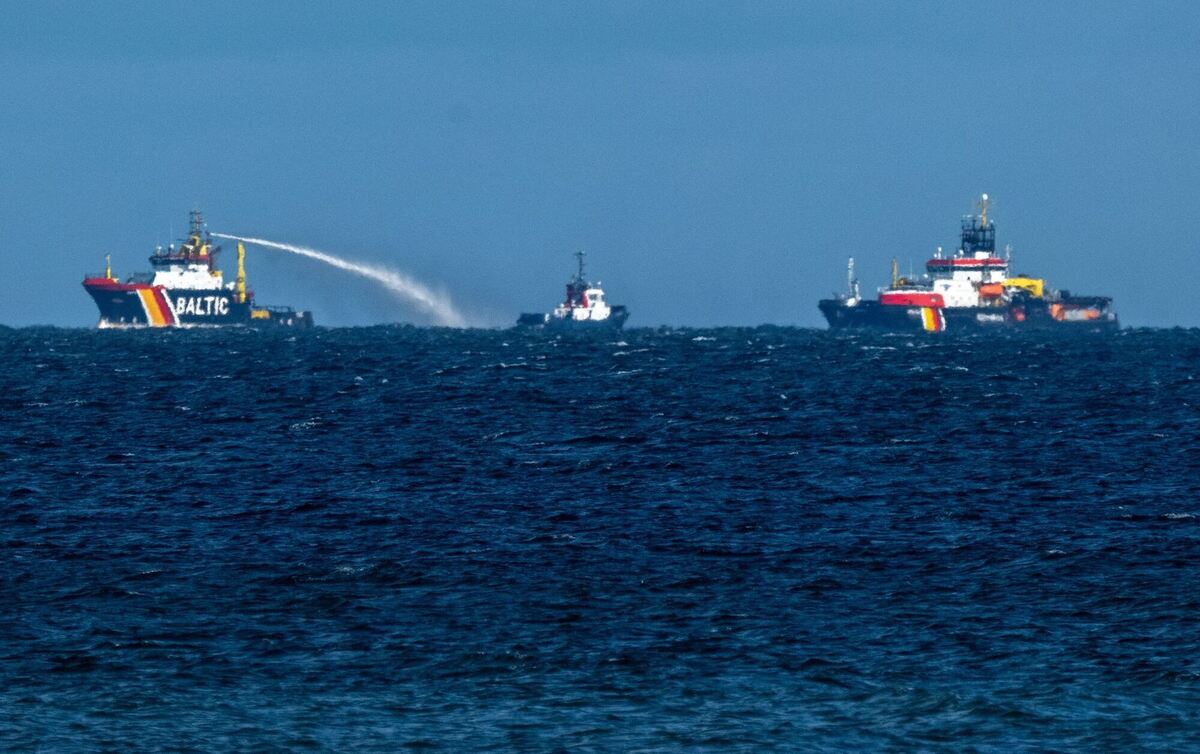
<point x="585" y="307"/>
<point x="970" y="290"/>
<point x="186" y="289"/>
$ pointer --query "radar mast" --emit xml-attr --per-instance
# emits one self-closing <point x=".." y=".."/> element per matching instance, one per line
<point x="579" y="256"/>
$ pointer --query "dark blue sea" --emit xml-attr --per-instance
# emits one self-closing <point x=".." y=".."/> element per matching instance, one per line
<point x="746" y="540"/>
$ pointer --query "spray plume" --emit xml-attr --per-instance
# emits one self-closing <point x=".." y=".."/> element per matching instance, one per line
<point x="437" y="305"/>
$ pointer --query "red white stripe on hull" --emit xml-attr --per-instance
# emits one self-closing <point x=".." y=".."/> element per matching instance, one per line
<point x="911" y="298"/>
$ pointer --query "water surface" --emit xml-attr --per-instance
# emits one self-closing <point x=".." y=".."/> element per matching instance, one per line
<point x="733" y="539"/>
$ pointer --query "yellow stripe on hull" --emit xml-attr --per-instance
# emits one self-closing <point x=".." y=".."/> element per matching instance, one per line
<point x="931" y="318"/>
<point x="154" y="314"/>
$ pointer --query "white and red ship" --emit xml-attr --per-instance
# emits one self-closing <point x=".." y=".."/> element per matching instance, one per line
<point x="585" y="307"/>
<point x="186" y="289"/>
<point x="969" y="290"/>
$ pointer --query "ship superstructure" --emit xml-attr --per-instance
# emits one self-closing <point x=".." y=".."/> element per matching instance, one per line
<point x="186" y="288"/>
<point x="585" y="306"/>
<point x="967" y="290"/>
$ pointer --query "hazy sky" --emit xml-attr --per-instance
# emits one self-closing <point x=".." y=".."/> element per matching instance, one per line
<point x="719" y="161"/>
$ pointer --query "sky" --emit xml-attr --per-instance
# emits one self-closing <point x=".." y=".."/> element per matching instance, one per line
<point x="718" y="161"/>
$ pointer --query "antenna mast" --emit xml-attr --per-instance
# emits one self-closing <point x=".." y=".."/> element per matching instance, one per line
<point x="195" y="222"/>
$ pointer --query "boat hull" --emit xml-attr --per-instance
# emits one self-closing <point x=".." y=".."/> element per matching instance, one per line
<point x="615" y="321"/>
<point x="1024" y="315"/>
<point x="145" y="305"/>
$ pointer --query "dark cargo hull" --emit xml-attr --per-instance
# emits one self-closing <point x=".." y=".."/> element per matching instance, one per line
<point x="1025" y="315"/>
<point x="132" y="305"/>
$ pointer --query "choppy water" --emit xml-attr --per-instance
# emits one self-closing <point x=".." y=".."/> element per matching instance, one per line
<point x="731" y="540"/>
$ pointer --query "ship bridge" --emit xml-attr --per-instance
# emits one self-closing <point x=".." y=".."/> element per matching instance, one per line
<point x="981" y="268"/>
<point x="197" y="249"/>
<point x="193" y="264"/>
<point x="974" y="276"/>
<point x="976" y="260"/>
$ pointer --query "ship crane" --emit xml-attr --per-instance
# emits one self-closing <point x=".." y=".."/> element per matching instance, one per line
<point x="240" y="286"/>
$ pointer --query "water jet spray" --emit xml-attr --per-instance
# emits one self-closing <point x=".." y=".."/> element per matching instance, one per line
<point x="437" y="305"/>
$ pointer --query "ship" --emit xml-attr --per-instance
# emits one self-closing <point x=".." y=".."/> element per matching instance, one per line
<point x="585" y="307"/>
<point x="185" y="289"/>
<point x="969" y="290"/>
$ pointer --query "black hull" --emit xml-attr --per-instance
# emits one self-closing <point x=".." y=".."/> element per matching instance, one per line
<point x="1025" y="315"/>
<point x="133" y="305"/>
